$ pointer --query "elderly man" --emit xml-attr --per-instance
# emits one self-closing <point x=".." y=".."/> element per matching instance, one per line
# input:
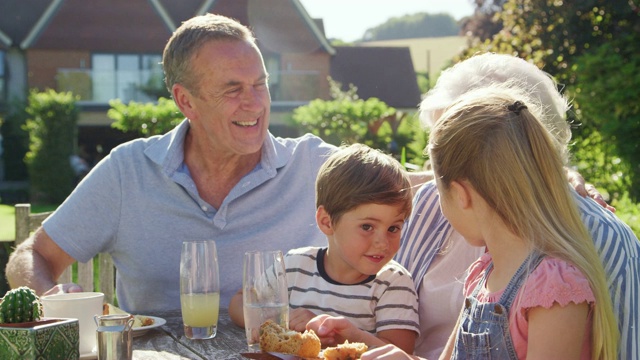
<point x="218" y="175"/>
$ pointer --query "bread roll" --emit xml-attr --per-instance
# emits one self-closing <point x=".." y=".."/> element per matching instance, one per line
<point x="346" y="351"/>
<point x="274" y="337"/>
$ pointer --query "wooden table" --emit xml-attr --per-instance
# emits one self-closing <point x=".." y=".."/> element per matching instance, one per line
<point x="169" y="342"/>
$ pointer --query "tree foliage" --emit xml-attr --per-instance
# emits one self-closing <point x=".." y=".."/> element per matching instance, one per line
<point x="485" y="22"/>
<point x="554" y="33"/>
<point x="418" y="25"/>
<point x="607" y="92"/>
<point x="146" y="119"/>
<point x="52" y="132"/>
<point x="588" y="46"/>
<point x="629" y="212"/>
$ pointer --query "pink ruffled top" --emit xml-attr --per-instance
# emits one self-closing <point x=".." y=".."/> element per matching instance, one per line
<point x="553" y="281"/>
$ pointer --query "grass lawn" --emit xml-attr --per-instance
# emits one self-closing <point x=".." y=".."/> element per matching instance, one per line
<point x="7" y="234"/>
<point x="8" y="222"/>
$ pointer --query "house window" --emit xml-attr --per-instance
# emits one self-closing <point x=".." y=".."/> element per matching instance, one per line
<point x="128" y="77"/>
<point x="272" y="63"/>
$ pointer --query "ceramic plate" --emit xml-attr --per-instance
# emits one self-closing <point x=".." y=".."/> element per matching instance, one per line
<point x="157" y="322"/>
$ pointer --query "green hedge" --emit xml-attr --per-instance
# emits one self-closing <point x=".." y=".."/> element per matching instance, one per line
<point x="53" y="135"/>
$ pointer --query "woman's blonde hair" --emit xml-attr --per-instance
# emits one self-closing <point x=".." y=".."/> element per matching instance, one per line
<point x="495" y="141"/>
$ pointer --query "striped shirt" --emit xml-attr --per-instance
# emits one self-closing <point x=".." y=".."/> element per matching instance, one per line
<point x="385" y="301"/>
<point x="618" y="247"/>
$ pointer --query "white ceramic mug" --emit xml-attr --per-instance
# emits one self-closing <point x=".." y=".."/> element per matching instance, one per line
<point x="82" y="306"/>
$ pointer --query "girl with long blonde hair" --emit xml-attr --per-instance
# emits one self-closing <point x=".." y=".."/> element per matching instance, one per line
<point x="539" y="292"/>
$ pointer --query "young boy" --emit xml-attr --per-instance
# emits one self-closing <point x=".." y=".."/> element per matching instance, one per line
<point x="363" y="198"/>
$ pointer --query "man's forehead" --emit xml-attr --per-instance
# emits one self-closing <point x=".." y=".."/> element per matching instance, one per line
<point x="231" y="60"/>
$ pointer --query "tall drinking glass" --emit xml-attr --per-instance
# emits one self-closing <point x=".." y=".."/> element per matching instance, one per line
<point x="199" y="289"/>
<point x="265" y="293"/>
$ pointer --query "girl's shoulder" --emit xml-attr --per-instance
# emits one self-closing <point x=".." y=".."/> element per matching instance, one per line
<point x="475" y="272"/>
<point x="555" y="281"/>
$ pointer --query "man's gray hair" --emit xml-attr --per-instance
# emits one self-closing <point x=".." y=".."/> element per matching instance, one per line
<point x="189" y="38"/>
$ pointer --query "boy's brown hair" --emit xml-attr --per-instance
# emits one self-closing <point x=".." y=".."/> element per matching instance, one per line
<point x="357" y="174"/>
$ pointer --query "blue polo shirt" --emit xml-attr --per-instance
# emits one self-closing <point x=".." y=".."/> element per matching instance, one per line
<point x="140" y="203"/>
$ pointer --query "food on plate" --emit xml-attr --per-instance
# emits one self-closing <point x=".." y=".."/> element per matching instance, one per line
<point x="346" y="351"/>
<point x="138" y="320"/>
<point x="142" y="321"/>
<point x="274" y="337"/>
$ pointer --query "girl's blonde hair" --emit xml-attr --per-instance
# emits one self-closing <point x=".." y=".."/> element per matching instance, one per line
<point x="492" y="138"/>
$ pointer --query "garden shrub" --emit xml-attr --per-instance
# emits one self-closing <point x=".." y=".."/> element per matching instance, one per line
<point x="15" y="141"/>
<point x="145" y="119"/>
<point x="347" y="119"/>
<point x="53" y="135"/>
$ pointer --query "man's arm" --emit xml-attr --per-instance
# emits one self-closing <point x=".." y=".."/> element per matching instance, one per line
<point x="37" y="263"/>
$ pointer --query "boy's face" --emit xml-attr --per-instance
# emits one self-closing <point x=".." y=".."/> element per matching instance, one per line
<point x="362" y="241"/>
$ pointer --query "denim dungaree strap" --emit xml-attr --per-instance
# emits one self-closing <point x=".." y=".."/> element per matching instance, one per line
<point x="484" y="327"/>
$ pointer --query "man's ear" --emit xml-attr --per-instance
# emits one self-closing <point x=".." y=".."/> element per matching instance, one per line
<point x="461" y="193"/>
<point x="183" y="99"/>
<point x="324" y="221"/>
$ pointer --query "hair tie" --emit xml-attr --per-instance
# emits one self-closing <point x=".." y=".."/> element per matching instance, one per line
<point x="516" y="107"/>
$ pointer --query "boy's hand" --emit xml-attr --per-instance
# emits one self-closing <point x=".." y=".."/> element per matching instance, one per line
<point x="332" y="330"/>
<point x="387" y="352"/>
<point x="298" y="319"/>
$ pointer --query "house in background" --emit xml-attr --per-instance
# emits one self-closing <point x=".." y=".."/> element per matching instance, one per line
<point x="107" y="49"/>
<point x="429" y="55"/>
<point x="386" y="73"/>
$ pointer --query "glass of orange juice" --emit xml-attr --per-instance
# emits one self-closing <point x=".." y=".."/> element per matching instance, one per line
<point x="199" y="289"/>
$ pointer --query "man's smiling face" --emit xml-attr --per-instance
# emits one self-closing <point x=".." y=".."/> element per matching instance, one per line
<point x="232" y="99"/>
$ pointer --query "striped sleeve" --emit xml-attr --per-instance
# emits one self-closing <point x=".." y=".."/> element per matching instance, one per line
<point x="424" y="234"/>
<point x="618" y="248"/>
<point x="397" y="304"/>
